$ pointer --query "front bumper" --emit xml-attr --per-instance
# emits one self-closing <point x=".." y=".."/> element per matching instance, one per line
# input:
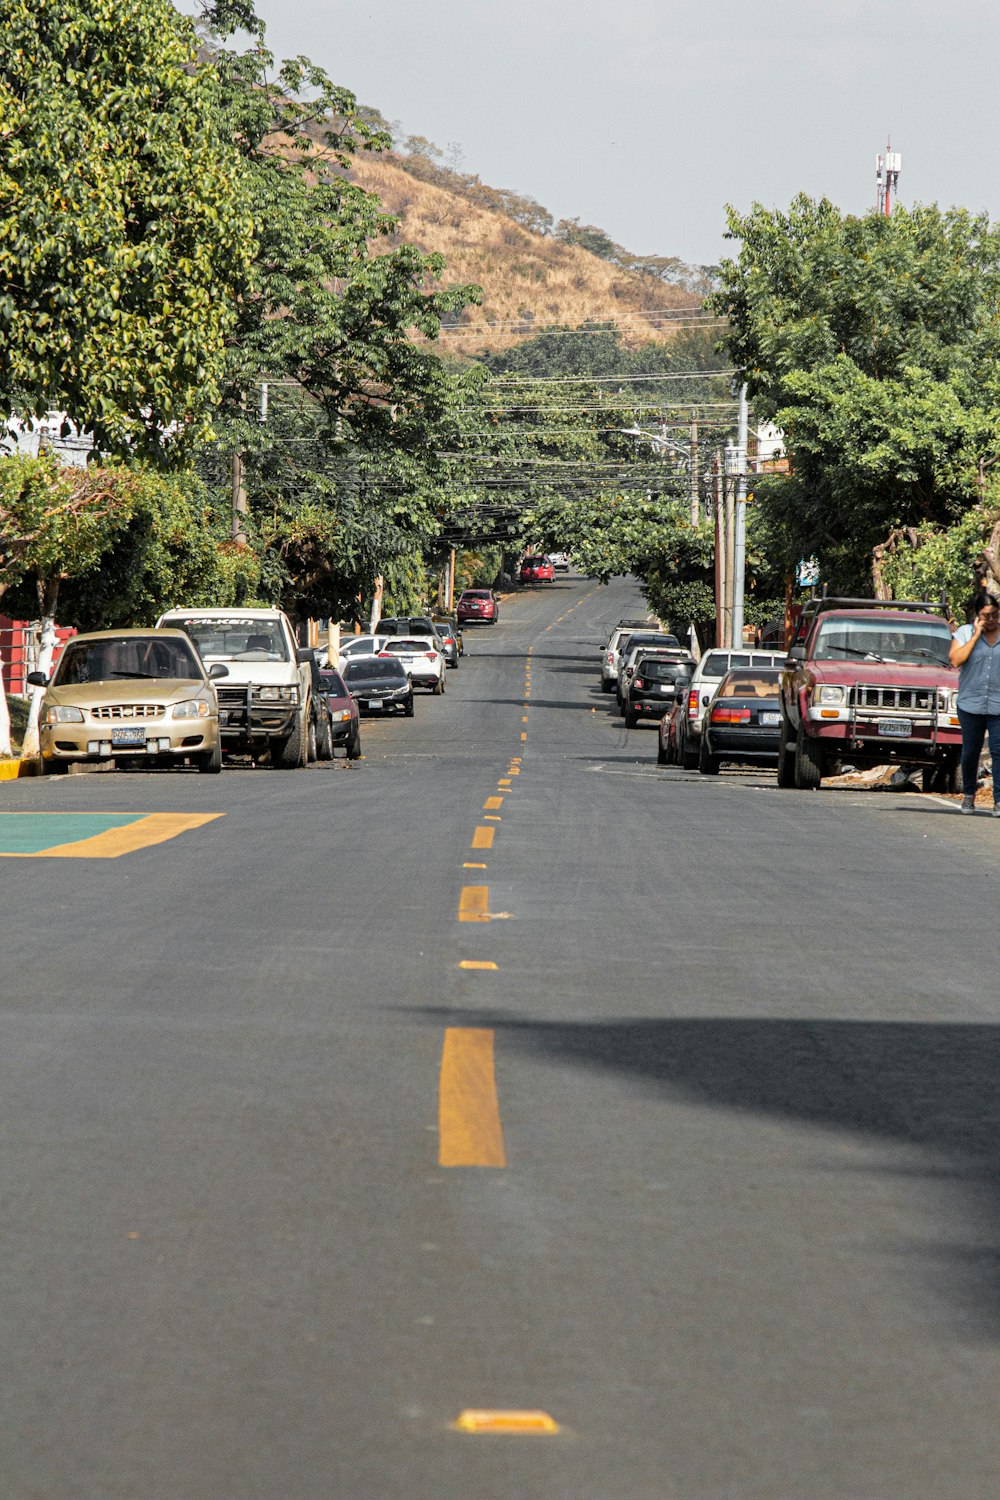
<point x="376" y="705"/>
<point x="244" y="719"/>
<point x="95" y="742"/>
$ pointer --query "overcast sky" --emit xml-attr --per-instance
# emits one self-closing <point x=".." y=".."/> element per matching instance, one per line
<point x="646" y="117"/>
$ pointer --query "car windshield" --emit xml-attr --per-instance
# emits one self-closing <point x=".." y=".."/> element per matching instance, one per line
<point x="127" y="656"/>
<point x="233" y="639"/>
<point x="375" y="669"/>
<point x="742" y="685"/>
<point x="658" y="671"/>
<point x="916" y="642"/>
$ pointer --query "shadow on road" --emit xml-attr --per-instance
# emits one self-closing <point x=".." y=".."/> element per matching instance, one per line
<point x="930" y="1086"/>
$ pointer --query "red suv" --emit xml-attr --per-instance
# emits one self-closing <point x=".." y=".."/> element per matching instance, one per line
<point x="477" y="606"/>
<point x="537" y="570"/>
<point x="868" y="681"/>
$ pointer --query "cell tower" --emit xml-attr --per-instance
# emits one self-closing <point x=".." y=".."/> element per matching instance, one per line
<point x="886" y="178"/>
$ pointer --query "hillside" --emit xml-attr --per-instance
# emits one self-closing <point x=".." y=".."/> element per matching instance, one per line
<point x="529" y="279"/>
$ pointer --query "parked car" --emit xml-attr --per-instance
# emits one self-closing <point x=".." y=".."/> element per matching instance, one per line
<point x="643" y="642"/>
<point x="649" y="692"/>
<point x="609" y="652"/>
<point x="266" y="703"/>
<point x="379" y="685"/>
<point x="536" y="570"/>
<point x="682" y="734"/>
<point x="450" y="636"/>
<point x="870" y="683"/>
<point x="421" y="658"/>
<point x="135" y="697"/>
<point x="560" y="561"/>
<point x="477" y="607"/>
<point x="345" y="716"/>
<point x="741" y="724"/>
<point x="406" y="625"/>
<point x="359" y="645"/>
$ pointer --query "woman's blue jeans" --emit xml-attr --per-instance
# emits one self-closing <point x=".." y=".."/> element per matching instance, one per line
<point x="975" y="728"/>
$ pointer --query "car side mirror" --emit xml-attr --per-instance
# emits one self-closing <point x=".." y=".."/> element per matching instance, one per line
<point x="37" y="679"/>
<point x="795" y="653"/>
<point x="682" y="682"/>
<point x="218" y="669"/>
<point x="304" y="653"/>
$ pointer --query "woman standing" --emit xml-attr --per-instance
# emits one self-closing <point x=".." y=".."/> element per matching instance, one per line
<point x="974" y="651"/>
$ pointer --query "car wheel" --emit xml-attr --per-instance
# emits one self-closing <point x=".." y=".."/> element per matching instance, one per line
<point x="809" y="767"/>
<point x="631" y="719"/>
<point x="708" y="764"/>
<point x="324" y="740"/>
<point x="662" y="759"/>
<point x="312" y="742"/>
<point x="408" y="710"/>
<point x="210" y="761"/>
<point x="786" y="758"/>
<point x="354" y="746"/>
<point x="943" y="778"/>
<point x="289" y="753"/>
<point x="438" y="687"/>
<point x="52" y="767"/>
<point x="689" y="759"/>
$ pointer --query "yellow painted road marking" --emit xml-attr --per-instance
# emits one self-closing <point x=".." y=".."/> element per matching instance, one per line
<point x="527" y="1423"/>
<point x="154" y="828"/>
<point x="483" y="838"/>
<point x="468" y="866"/>
<point x="504" y="781"/>
<point x="469" y="1130"/>
<point x="491" y="803"/>
<point x="524" y="718"/>
<point x="473" y="903"/>
<point x="492" y="818"/>
<point x="523" y="736"/>
<point x="476" y="963"/>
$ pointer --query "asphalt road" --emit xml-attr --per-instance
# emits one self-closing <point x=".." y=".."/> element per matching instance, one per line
<point x="734" y="1071"/>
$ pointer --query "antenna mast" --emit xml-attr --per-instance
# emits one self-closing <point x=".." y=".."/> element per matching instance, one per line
<point x="887" y="169"/>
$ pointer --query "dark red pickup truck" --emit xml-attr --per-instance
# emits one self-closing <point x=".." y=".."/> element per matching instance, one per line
<point x="868" y="684"/>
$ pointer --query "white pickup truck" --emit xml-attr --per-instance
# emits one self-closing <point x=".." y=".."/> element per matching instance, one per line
<point x="265" y="703"/>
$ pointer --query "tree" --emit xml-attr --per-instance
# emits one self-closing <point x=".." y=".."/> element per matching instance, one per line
<point x="873" y="343"/>
<point x="123" y="222"/>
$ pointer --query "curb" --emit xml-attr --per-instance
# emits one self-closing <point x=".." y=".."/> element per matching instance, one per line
<point x="10" y="770"/>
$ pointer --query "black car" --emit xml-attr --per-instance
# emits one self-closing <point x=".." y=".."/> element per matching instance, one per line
<point x="649" y="693"/>
<point x="742" y="722"/>
<point x="379" y="685"/>
<point x="406" y="625"/>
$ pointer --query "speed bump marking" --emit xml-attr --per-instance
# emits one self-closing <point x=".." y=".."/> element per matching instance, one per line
<point x="517" y="1422"/>
<point x="90" y="835"/>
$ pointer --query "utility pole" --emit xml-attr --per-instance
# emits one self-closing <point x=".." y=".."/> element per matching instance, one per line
<point x="740" y="539"/>
<point x="721" y="632"/>
<point x="693" y="472"/>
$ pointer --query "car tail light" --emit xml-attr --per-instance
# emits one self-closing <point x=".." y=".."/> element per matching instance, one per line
<point x="693" y="703"/>
<point x="431" y="655"/>
<point x="724" y="715"/>
<point x="637" y="682"/>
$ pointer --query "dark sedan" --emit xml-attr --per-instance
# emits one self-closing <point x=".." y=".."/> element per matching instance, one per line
<point x="742" y="721"/>
<point x="379" y="685"/>
<point x="345" y="716"/>
<point x="649" y="692"/>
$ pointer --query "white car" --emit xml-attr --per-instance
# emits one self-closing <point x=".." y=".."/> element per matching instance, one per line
<point x="354" y="646"/>
<point x="560" y="561"/>
<point x="611" y="653"/>
<point x="422" y="657"/>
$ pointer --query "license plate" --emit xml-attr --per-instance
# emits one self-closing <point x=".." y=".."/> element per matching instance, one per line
<point x="373" y="703"/>
<point x="900" y="729"/>
<point x="767" y="718"/>
<point x="133" y="738"/>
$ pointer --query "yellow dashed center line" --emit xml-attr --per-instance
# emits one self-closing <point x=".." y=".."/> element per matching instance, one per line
<point x="469" y="1130"/>
<point x="483" y="838"/>
<point x="473" y="903"/>
<point x="476" y="963"/>
<point x="492" y="803"/>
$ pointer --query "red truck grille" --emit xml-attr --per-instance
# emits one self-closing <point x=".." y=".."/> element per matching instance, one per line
<point x="900" y="699"/>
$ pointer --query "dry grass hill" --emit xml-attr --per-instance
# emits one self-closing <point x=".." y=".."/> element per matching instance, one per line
<point x="529" y="279"/>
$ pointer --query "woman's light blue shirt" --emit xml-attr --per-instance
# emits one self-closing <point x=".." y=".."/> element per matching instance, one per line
<point x="979" y="675"/>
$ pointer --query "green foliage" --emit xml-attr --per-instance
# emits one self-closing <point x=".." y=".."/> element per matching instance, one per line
<point x="874" y="344"/>
<point x="123" y="223"/>
<point x="925" y="565"/>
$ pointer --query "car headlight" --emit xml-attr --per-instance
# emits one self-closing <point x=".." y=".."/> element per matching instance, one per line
<point x="278" y="694"/>
<point x="829" y="693"/>
<point x="63" y="714"/>
<point x="340" y="714"/>
<point x="194" y="708"/>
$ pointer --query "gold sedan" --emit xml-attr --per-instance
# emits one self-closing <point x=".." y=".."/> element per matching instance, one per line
<point x="137" y="697"/>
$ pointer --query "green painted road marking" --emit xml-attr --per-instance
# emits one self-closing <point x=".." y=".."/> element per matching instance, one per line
<point x="90" y="835"/>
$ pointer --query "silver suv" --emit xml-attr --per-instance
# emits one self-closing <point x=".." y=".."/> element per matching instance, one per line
<point x="706" y="678"/>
